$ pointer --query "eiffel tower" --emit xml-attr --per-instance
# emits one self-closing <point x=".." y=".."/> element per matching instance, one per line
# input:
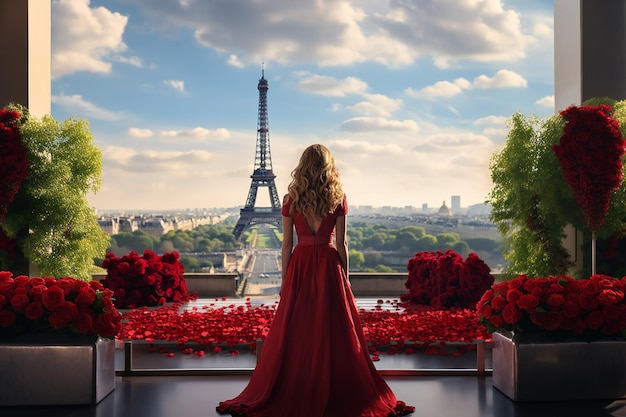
<point x="262" y="176"/>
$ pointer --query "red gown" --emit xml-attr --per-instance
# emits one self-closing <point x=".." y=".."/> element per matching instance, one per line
<point x="315" y="361"/>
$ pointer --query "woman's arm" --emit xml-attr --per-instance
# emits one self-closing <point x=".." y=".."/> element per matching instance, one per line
<point x="287" y="246"/>
<point x="342" y="242"/>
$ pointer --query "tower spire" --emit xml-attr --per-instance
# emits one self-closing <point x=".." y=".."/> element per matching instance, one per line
<point x="262" y="175"/>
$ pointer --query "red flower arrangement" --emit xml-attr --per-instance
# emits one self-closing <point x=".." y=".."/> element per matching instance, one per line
<point x="235" y="326"/>
<point x="49" y="304"/>
<point x="147" y="280"/>
<point x="590" y="152"/>
<point x="445" y="280"/>
<point x="556" y="306"/>
<point x="13" y="159"/>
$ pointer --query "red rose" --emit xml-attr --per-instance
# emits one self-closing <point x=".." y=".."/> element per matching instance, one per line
<point x="517" y="282"/>
<point x="21" y="280"/>
<point x="19" y="302"/>
<point x="607" y="296"/>
<point x="588" y="301"/>
<point x="612" y="312"/>
<point x="486" y="312"/>
<point x="571" y="309"/>
<point x="5" y="276"/>
<point x="83" y="322"/>
<point x="538" y="318"/>
<point x="53" y="297"/>
<point x="86" y="296"/>
<point x="528" y="302"/>
<point x="595" y="319"/>
<point x="36" y="292"/>
<point x="37" y="281"/>
<point x="513" y="296"/>
<point x="497" y="321"/>
<point x="552" y="320"/>
<point x="592" y="287"/>
<point x="555" y="301"/>
<point x="511" y="314"/>
<point x="96" y="285"/>
<point x="34" y="311"/>
<point x="105" y="326"/>
<point x="7" y="318"/>
<point x="6" y="288"/>
<point x="498" y="302"/>
<point x="63" y="315"/>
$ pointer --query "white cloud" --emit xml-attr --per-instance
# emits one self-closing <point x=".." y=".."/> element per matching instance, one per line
<point x="501" y="79"/>
<point x="440" y="89"/>
<point x="547" y="101"/>
<point x="134" y="61"/>
<point x="82" y="108"/>
<point x="378" y="124"/>
<point x="234" y="61"/>
<point x="363" y="147"/>
<point x="330" y="86"/>
<point x="175" y="163"/>
<point x="343" y="32"/>
<point x="84" y="38"/>
<point x="491" y="120"/>
<point x="178" y="85"/>
<point x="453" y="30"/>
<point x="198" y="133"/>
<point x="140" y="133"/>
<point x="377" y="105"/>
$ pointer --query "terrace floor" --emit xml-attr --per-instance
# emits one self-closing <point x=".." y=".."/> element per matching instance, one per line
<point x="189" y="386"/>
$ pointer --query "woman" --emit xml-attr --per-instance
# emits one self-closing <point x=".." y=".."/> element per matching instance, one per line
<point x="315" y="360"/>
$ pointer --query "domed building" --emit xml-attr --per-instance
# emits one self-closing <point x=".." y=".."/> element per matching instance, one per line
<point x="444" y="210"/>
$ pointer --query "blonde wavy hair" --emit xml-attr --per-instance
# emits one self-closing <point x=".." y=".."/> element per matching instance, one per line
<point x="315" y="188"/>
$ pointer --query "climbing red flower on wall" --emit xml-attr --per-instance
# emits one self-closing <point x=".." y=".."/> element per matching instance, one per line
<point x="13" y="159"/>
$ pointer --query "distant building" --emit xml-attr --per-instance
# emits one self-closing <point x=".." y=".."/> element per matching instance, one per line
<point x="455" y="203"/>
<point x="444" y="210"/>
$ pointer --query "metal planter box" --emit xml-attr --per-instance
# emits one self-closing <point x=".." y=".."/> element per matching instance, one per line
<point x="51" y="369"/>
<point x="562" y="371"/>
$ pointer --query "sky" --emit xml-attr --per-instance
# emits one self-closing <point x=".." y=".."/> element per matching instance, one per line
<point x="410" y="96"/>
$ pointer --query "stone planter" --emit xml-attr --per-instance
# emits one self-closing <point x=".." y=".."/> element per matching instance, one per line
<point x="53" y="369"/>
<point x="545" y="371"/>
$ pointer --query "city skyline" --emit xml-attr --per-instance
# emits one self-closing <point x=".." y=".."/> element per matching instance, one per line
<point x="412" y="101"/>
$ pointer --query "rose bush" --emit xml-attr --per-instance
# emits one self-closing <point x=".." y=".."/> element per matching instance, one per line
<point x="147" y="280"/>
<point x="47" y="304"/>
<point x="445" y="279"/>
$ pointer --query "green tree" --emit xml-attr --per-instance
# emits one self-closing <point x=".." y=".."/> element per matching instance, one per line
<point x="356" y="260"/>
<point x="372" y="258"/>
<point x="58" y="228"/>
<point x="383" y="268"/>
<point x="191" y="264"/>
<point x="447" y="239"/>
<point x="462" y="248"/>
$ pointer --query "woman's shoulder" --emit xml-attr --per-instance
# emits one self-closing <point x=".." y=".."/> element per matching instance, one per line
<point x="285" y="211"/>
<point x="342" y="208"/>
